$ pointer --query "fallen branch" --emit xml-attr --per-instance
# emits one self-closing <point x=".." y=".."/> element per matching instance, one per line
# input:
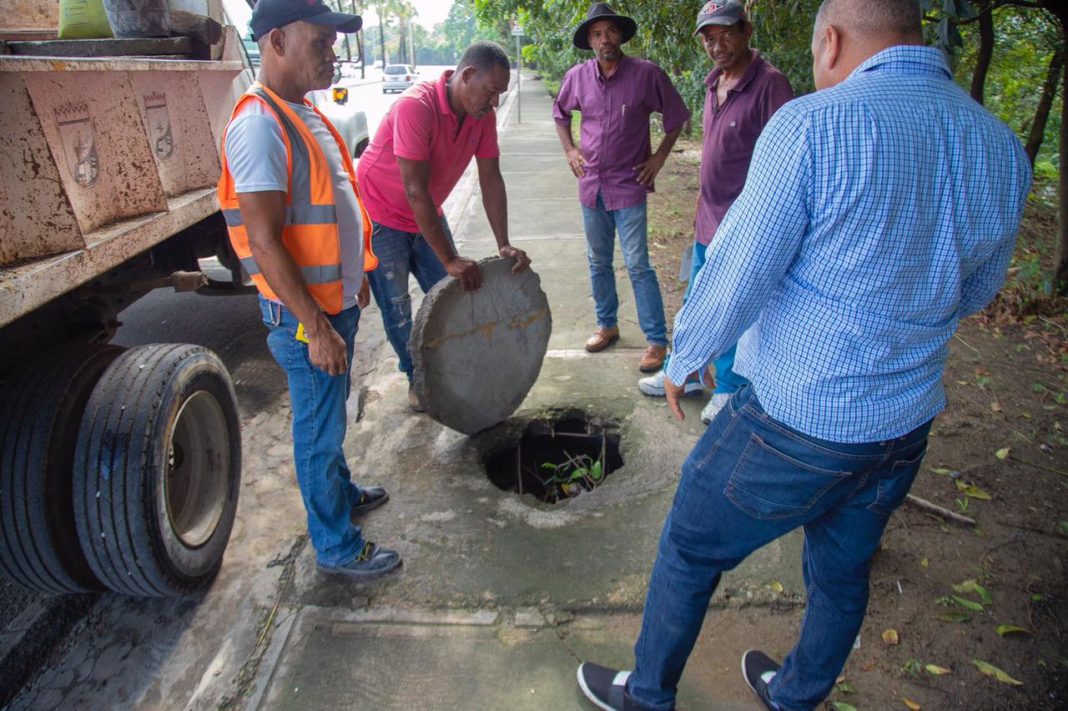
<point x="936" y="509"/>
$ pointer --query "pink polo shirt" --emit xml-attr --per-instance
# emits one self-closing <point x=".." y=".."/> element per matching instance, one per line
<point x="421" y="126"/>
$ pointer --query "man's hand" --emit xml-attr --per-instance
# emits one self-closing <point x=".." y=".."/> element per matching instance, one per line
<point x="673" y="392"/>
<point x="466" y="272"/>
<point x="522" y="261"/>
<point x="326" y="349"/>
<point x="647" y="171"/>
<point x="575" y="161"/>
<point x="363" y="296"/>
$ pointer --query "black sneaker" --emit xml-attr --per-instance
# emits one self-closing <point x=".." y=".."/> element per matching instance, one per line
<point x="371" y="497"/>
<point x="758" y="669"/>
<point x="373" y="562"/>
<point x="606" y="688"/>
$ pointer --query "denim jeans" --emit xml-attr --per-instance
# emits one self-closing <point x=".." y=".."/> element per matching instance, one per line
<point x="400" y="254"/>
<point x="319" y="422"/>
<point x="727" y="381"/>
<point x="630" y="222"/>
<point x="748" y="481"/>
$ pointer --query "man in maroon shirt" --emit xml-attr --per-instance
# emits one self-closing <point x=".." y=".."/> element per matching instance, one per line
<point x="616" y="168"/>
<point x="743" y="93"/>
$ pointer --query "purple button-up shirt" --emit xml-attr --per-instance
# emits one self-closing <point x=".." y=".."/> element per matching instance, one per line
<point x="731" y="132"/>
<point x="615" y="125"/>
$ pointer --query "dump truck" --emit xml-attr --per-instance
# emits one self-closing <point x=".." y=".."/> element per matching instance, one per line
<point x="119" y="468"/>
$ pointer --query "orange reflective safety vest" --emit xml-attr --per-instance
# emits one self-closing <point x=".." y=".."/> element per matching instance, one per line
<point x="311" y="233"/>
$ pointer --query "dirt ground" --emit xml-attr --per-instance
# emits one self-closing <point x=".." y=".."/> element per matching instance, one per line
<point x="948" y="599"/>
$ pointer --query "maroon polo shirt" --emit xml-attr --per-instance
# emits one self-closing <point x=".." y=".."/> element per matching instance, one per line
<point x="731" y="132"/>
<point x="615" y="125"/>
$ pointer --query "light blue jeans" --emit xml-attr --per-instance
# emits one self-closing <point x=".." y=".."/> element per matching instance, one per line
<point x="319" y="423"/>
<point x="727" y="381"/>
<point x="399" y="255"/>
<point x="749" y="480"/>
<point x="601" y="228"/>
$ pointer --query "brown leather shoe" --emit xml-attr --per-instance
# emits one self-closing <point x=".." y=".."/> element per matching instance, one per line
<point x="602" y="338"/>
<point x="653" y="359"/>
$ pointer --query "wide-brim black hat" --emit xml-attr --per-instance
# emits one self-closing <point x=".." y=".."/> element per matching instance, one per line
<point x="601" y="11"/>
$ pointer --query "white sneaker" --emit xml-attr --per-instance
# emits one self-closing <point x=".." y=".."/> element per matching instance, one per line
<point x="653" y="386"/>
<point x="714" y="406"/>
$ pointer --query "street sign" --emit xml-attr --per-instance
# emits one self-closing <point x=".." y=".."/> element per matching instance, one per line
<point x="517" y="30"/>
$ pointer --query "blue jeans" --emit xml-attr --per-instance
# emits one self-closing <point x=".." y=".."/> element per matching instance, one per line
<point x="319" y="422"/>
<point x="601" y="227"/>
<point x="748" y="481"/>
<point x="727" y="381"/>
<point x="400" y="254"/>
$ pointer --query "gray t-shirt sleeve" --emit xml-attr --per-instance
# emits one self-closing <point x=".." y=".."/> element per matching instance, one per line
<point x="256" y="154"/>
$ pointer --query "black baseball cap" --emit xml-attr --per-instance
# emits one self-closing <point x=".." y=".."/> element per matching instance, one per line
<point x="269" y="14"/>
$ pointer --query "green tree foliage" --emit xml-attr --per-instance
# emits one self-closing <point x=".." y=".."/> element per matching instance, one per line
<point x="665" y="35"/>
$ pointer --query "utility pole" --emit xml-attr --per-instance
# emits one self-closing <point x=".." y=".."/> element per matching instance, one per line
<point x="517" y="32"/>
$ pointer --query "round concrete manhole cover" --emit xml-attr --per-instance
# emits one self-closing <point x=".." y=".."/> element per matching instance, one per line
<point x="477" y="354"/>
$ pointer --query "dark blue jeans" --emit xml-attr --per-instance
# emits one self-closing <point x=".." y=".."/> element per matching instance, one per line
<point x="401" y="254"/>
<point x="750" y="480"/>
<point x="319" y="423"/>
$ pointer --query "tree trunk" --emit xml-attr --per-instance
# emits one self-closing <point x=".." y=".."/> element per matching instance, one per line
<point x="1060" y="270"/>
<point x="382" y="39"/>
<point x="986" y="51"/>
<point x="1045" y="103"/>
<point x="359" y="42"/>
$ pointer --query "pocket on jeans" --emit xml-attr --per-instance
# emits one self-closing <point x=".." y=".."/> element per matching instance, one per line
<point x="895" y="486"/>
<point x="769" y="484"/>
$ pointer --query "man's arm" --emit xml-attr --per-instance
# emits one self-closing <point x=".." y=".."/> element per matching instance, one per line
<point x="495" y="202"/>
<point x="754" y="247"/>
<point x="648" y="169"/>
<point x="416" y="177"/>
<point x="264" y="214"/>
<point x="575" y="160"/>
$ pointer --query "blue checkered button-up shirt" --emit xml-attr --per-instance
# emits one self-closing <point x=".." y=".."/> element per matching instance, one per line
<point x="876" y="215"/>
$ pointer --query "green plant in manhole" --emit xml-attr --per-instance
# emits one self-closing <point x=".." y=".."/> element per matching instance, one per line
<point x="557" y="457"/>
<point x="574" y="476"/>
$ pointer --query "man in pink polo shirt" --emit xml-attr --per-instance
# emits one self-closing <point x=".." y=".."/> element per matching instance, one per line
<point x="418" y="154"/>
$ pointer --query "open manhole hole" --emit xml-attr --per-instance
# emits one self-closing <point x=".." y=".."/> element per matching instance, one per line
<point x="557" y="458"/>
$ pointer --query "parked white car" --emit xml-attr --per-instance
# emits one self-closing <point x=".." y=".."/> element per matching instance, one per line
<point x="397" y="77"/>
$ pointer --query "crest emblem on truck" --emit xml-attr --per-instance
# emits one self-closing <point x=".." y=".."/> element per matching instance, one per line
<point x="158" y="119"/>
<point x="79" y="142"/>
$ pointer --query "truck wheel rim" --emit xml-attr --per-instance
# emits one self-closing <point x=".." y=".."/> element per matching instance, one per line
<point x="198" y="465"/>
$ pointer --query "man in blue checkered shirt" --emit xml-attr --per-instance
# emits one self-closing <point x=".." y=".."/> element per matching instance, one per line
<point x="878" y="212"/>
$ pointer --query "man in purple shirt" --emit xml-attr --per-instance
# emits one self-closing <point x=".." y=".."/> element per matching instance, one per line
<point x="743" y="93"/>
<point x="616" y="168"/>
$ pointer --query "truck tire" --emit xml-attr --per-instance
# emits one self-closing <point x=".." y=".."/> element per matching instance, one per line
<point x="41" y="409"/>
<point x="157" y="471"/>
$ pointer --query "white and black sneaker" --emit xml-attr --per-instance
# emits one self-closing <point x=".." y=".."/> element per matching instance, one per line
<point x="606" y="688"/>
<point x="759" y="669"/>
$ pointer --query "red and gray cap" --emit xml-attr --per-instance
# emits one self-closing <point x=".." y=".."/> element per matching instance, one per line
<point x="270" y="14"/>
<point x="722" y="12"/>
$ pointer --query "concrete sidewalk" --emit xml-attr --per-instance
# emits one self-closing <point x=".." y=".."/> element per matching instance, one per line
<point x="502" y="595"/>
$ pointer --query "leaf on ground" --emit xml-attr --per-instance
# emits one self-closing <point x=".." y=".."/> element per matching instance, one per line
<point x="845" y="687"/>
<point x="912" y="704"/>
<point x="890" y="637"/>
<point x="777" y="587"/>
<point x="971" y="586"/>
<point x="972" y="491"/>
<point x="1004" y="630"/>
<point x="967" y="604"/>
<point x="995" y="406"/>
<point x="953" y="616"/>
<point x="992" y="671"/>
<point x="940" y="470"/>
<point x="843" y="706"/>
<point x="1002" y="453"/>
<point x="924" y="563"/>
<point x="936" y="670"/>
